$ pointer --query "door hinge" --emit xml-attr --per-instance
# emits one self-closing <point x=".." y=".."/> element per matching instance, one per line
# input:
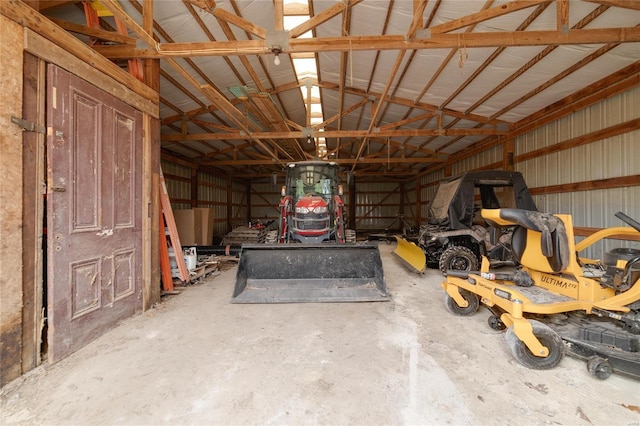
<point x="28" y="126"/>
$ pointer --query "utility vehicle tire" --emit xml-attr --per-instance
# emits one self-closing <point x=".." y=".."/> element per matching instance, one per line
<point x="349" y="236"/>
<point x="453" y="307"/>
<point x="599" y="367"/>
<point x="547" y="337"/>
<point x="272" y="237"/>
<point x="459" y="258"/>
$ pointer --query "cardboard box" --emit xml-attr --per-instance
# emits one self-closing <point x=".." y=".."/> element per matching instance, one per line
<point x="204" y="218"/>
<point x="185" y="222"/>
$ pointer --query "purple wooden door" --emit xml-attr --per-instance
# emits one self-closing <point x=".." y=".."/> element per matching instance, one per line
<point x="93" y="212"/>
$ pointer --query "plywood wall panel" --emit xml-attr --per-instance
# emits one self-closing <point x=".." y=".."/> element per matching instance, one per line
<point x="10" y="201"/>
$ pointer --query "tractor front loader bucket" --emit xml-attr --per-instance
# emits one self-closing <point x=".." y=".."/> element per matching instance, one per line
<point x="293" y="273"/>
<point x="410" y="255"/>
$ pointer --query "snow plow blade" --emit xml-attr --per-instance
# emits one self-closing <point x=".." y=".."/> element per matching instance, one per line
<point x="410" y="255"/>
<point x="295" y="273"/>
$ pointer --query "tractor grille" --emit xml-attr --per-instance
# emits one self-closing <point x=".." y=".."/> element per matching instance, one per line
<point x="311" y="222"/>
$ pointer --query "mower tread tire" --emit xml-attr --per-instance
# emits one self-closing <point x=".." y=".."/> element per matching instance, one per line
<point x="496" y="323"/>
<point x="547" y="337"/>
<point x="470" y="297"/>
<point x="599" y="367"/>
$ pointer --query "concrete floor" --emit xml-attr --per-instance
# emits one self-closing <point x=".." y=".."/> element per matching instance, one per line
<point x="197" y="359"/>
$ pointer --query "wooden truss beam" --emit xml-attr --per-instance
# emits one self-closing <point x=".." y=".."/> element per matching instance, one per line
<point x="376" y="132"/>
<point x="627" y="4"/>
<point x="341" y="161"/>
<point x="485" y="15"/>
<point x="380" y="42"/>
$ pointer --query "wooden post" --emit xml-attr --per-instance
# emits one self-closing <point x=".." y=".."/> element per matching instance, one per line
<point x="508" y="155"/>
<point x="352" y="202"/>
<point x="418" y="202"/>
<point x="230" y="205"/>
<point x="33" y="212"/>
<point x="194" y="187"/>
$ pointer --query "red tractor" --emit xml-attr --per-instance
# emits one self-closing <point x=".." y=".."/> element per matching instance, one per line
<point x="311" y="209"/>
<point x="323" y="262"/>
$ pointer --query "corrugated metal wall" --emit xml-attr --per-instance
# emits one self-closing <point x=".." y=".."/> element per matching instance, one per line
<point x="490" y="156"/>
<point x="411" y="206"/>
<point x="177" y="189"/>
<point x="377" y="205"/>
<point x="427" y="190"/>
<point x="212" y="193"/>
<point x="608" y="158"/>
<point x="265" y="198"/>
<point x="617" y="156"/>
<point x="240" y="205"/>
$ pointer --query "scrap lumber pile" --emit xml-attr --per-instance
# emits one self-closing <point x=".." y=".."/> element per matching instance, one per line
<point x="244" y="235"/>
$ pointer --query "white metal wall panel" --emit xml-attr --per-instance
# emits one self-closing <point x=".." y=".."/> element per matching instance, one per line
<point x="261" y="195"/>
<point x="410" y="211"/>
<point x="212" y="193"/>
<point x="490" y="156"/>
<point x="239" y="210"/>
<point x="428" y="190"/>
<point x="177" y="190"/>
<point x="616" y="156"/>
<point x="377" y="204"/>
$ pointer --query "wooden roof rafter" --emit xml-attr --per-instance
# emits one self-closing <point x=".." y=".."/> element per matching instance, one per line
<point x="190" y="62"/>
<point x="523" y="26"/>
<point x="229" y="18"/>
<point x="344" y="59"/>
<point x="625" y="4"/>
<point x="322" y="17"/>
<point x="379" y="42"/>
<point x="398" y="124"/>
<point x="536" y="59"/>
<point x="208" y="90"/>
<point x="470" y="24"/>
<point x="568" y="71"/>
<point x="418" y="10"/>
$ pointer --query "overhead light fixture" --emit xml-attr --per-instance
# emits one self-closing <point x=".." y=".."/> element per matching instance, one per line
<point x="276" y="51"/>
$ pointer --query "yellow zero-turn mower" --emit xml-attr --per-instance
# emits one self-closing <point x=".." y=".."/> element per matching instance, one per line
<point x="555" y="300"/>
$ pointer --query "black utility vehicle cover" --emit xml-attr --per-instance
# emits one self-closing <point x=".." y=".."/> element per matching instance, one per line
<point x="453" y="204"/>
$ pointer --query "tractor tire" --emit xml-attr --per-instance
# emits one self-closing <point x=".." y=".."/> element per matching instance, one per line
<point x="349" y="236"/>
<point x="471" y="298"/>
<point x="271" y="237"/>
<point x="547" y="337"/>
<point x="458" y="258"/>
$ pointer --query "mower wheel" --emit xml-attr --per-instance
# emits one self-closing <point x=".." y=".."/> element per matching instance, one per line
<point x="496" y="323"/>
<point x="547" y="337"/>
<point x="459" y="258"/>
<point x="599" y="367"/>
<point x="471" y="298"/>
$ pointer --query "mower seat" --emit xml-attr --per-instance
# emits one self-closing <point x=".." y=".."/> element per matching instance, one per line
<point x="539" y="240"/>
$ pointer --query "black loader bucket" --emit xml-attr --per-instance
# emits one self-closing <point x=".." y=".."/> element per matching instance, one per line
<point x="293" y="273"/>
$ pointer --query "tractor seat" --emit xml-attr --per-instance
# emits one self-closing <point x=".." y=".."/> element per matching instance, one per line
<point x="539" y="240"/>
